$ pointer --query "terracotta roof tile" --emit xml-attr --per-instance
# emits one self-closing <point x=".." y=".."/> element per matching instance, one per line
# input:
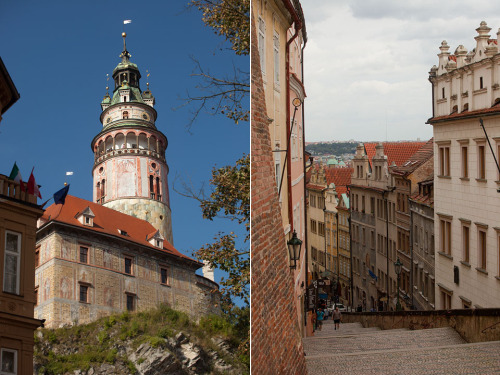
<point x="495" y="109"/>
<point x="107" y="221"/>
<point x="423" y="154"/>
<point x="339" y="176"/>
<point x="397" y="152"/>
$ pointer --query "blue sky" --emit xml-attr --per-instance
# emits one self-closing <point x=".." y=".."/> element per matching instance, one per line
<point x="58" y="54"/>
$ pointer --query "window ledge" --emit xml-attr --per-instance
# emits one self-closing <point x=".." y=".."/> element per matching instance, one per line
<point x="466" y="264"/>
<point x="445" y="255"/>
<point x="482" y="270"/>
<point x="84" y="302"/>
<point x="481" y="180"/>
<point x="497" y="277"/>
<point x="447" y="177"/>
<point x="465" y="178"/>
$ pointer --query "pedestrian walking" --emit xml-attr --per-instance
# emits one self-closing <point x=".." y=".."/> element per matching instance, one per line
<point x="319" y="318"/>
<point x="337" y="317"/>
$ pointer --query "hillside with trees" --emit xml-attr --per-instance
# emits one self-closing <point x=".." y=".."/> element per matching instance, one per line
<point x="332" y="148"/>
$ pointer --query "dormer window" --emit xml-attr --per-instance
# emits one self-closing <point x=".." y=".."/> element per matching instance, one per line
<point x="86" y="217"/>
<point x="122" y="232"/>
<point x="156" y="239"/>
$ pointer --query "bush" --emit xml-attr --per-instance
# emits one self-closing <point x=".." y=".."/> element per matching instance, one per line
<point x="165" y="332"/>
<point x="215" y="324"/>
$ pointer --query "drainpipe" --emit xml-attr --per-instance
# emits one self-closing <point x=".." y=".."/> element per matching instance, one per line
<point x="411" y="251"/>
<point x="298" y="26"/>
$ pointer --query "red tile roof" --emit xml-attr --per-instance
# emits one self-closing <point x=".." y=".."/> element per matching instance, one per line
<point x="417" y="159"/>
<point x="315" y="187"/>
<point x="107" y="221"/>
<point x="494" y="110"/>
<point x="341" y="177"/>
<point x="397" y="152"/>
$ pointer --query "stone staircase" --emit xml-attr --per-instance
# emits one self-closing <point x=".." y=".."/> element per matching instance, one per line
<point x="356" y="350"/>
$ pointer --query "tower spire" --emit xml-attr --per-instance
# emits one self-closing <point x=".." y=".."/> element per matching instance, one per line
<point x="125" y="55"/>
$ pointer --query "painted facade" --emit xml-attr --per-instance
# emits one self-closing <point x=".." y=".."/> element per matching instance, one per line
<point x="465" y="88"/>
<point x="116" y="253"/>
<point x="93" y="261"/>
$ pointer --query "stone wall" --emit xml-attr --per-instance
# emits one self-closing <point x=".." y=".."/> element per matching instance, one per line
<point x="276" y="346"/>
<point x="156" y="213"/>
<point x="474" y="325"/>
<point x="60" y="275"/>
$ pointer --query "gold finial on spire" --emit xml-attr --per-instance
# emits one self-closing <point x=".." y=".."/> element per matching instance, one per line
<point x="147" y="78"/>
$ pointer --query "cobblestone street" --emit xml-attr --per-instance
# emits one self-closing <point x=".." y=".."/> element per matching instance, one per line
<point x="356" y="350"/>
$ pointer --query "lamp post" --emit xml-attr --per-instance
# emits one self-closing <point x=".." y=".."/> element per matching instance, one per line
<point x="397" y="269"/>
<point x="294" y="245"/>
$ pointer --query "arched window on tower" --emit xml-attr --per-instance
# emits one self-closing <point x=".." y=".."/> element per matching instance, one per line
<point x="103" y="190"/>
<point x="125" y="114"/>
<point x="158" y="190"/>
<point x="151" y="187"/>
<point x="98" y="192"/>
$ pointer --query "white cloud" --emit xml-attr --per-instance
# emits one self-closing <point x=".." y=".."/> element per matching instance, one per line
<point x="367" y="63"/>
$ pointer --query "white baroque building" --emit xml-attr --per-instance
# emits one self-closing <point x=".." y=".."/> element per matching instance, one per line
<point x="466" y="90"/>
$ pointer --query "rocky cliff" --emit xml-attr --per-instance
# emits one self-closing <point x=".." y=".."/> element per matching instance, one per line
<point x="162" y="341"/>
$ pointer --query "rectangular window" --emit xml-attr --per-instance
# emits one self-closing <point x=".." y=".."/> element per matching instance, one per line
<point x="128" y="265"/>
<point x="466" y="243"/>
<point x="445" y="300"/>
<point x="36" y="296"/>
<point x="481" y="163"/>
<point x="465" y="162"/>
<point x="480" y="82"/>
<point x="372" y="205"/>
<point x="276" y="46"/>
<point x="130" y="302"/>
<point x="444" y="161"/>
<point x="84" y="293"/>
<point x="164" y="276"/>
<point x="481" y="234"/>
<point x="8" y="362"/>
<point x="12" y="262"/>
<point x="445" y="234"/>
<point x="262" y="44"/>
<point x="321" y="229"/>
<point x="84" y="253"/>
<point x="313" y="226"/>
<point x="37" y="257"/>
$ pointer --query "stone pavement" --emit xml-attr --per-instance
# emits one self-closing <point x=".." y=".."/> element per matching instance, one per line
<point x="356" y="350"/>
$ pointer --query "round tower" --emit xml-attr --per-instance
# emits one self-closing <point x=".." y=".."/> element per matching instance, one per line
<point x="130" y="170"/>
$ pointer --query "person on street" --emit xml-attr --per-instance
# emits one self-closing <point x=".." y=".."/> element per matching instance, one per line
<point x="337" y="317"/>
<point x="319" y="318"/>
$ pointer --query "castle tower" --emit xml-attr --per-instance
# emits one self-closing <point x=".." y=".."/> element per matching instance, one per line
<point x="130" y="170"/>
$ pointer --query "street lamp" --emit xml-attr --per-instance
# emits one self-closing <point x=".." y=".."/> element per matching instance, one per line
<point x="294" y="245"/>
<point x="397" y="269"/>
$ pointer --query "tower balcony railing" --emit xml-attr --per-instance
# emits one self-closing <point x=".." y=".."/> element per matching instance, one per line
<point x="155" y="196"/>
<point x="110" y="152"/>
<point x="12" y="189"/>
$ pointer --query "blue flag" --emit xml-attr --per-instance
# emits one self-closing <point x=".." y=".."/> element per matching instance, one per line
<point x="60" y="196"/>
<point x="372" y="275"/>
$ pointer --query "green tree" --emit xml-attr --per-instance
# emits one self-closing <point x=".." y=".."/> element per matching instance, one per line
<point x="230" y="185"/>
<point x="226" y="95"/>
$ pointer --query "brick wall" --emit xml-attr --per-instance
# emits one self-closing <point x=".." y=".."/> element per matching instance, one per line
<point x="276" y="346"/>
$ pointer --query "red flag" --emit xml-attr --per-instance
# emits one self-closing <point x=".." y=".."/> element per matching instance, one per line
<point x="33" y="187"/>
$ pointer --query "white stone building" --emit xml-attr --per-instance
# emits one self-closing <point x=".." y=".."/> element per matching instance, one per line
<point x="465" y="89"/>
